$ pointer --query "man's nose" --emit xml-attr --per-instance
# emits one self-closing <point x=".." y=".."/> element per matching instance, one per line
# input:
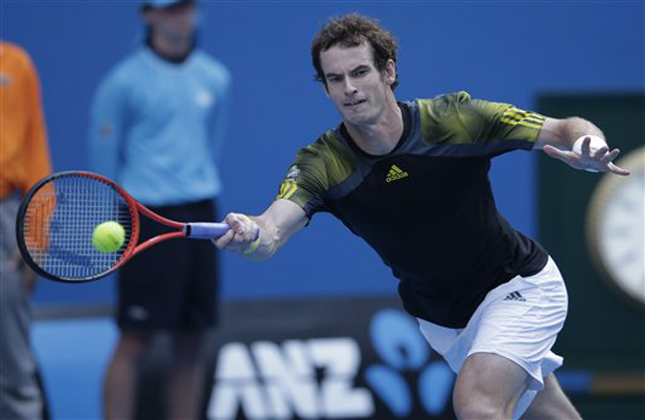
<point x="349" y="87"/>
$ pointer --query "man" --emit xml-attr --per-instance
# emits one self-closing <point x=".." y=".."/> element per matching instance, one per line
<point x="157" y="126"/>
<point x="24" y="159"/>
<point x="411" y="178"/>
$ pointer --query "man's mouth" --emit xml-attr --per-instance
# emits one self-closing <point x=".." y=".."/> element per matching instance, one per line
<point x="354" y="103"/>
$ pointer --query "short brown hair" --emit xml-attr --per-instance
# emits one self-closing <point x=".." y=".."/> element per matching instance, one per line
<point x="350" y="31"/>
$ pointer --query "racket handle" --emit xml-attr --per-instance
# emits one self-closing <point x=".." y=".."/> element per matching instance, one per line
<point x="205" y="230"/>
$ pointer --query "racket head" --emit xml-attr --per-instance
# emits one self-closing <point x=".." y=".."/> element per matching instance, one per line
<point x="56" y="221"/>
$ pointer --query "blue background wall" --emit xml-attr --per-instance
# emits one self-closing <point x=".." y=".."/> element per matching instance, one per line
<point x="504" y="51"/>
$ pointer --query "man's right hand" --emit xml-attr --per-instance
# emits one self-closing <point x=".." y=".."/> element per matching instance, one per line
<point x="242" y="235"/>
<point x="258" y="238"/>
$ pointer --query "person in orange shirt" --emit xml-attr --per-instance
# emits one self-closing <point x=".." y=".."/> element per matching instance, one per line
<point x="24" y="159"/>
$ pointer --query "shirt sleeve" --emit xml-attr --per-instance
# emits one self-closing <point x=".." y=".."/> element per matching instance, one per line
<point x="305" y="182"/>
<point x="482" y="127"/>
<point x="502" y="121"/>
<point x="107" y="121"/>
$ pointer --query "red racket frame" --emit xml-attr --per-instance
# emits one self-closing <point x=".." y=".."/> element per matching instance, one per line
<point x="182" y="230"/>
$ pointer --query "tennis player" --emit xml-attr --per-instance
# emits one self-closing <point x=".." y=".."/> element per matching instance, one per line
<point x="411" y="179"/>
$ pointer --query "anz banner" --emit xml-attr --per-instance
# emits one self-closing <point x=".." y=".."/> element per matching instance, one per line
<point x="359" y="358"/>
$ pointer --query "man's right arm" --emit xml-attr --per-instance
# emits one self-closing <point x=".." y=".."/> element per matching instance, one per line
<point x="257" y="238"/>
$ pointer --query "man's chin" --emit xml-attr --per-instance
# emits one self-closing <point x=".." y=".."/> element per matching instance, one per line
<point x="357" y="120"/>
<point x="352" y="117"/>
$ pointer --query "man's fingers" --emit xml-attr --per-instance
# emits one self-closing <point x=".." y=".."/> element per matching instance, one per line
<point x="224" y="240"/>
<point x="617" y="170"/>
<point x="239" y="228"/>
<point x="607" y="160"/>
<point x="609" y="157"/>
<point x="238" y="223"/>
<point x="552" y="151"/>
<point x="245" y="228"/>
<point x="600" y="161"/>
<point x="548" y="149"/>
<point x="234" y="220"/>
<point x="600" y="153"/>
<point x="558" y="154"/>
<point x="230" y="241"/>
<point x="586" y="146"/>
<point x="243" y="231"/>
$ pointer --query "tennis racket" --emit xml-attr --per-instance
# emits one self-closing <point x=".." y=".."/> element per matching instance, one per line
<point x="58" y="216"/>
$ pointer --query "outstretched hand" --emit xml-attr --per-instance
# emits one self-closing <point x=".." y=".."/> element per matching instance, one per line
<point x="588" y="158"/>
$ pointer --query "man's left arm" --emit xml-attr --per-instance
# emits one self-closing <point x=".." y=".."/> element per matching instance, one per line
<point x="579" y="143"/>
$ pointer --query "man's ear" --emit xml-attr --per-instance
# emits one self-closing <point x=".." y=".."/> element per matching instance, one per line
<point x="390" y="72"/>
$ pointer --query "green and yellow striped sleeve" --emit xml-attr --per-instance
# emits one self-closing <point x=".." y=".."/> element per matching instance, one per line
<point x="507" y="122"/>
<point x="458" y="119"/>
<point x="317" y="169"/>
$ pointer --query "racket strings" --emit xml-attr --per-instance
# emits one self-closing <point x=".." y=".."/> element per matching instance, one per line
<point x="60" y="220"/>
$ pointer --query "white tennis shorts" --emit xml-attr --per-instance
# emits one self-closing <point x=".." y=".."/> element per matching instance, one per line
<point x="518" y="320"/>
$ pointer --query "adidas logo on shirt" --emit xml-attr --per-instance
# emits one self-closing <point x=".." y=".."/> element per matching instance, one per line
<point x="395" y="174"/>
<point x="515" y="296"/>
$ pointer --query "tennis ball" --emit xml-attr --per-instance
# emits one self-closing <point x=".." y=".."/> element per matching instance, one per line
<point x="108" y="237"/>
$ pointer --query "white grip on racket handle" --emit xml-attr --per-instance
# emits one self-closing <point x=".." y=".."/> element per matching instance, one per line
<point x="205" y="230"/>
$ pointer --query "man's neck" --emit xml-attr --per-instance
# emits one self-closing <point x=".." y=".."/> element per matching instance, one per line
<point x="381" y="137"/>
<point x="175" y="51"/>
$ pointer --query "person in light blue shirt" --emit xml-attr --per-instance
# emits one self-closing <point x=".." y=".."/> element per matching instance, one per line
<point x="157" y="125"/>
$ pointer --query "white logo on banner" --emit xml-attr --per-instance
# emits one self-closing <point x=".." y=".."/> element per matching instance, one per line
<point x="266" y="381"/>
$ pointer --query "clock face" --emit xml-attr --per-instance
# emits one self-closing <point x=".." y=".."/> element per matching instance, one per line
<point x="616" y="227"/>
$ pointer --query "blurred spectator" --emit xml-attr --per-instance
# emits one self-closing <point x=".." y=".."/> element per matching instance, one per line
<point x="156" y="127"/>
<point x="24" y="159"/>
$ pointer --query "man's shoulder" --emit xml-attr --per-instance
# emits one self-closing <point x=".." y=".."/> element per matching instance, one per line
<point x="443" y="108"/>
<point x="327" y="151"/>
<point x="445" y="101"/>
<point x="211" y="63"/>
<point x="326" y="144"/>
<point x="126" y="69"/>
<point x="325" y="162"/>
<point x="450" y="118"/>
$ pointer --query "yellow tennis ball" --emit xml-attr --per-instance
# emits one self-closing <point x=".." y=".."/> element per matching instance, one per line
<point x="108" y="237"/>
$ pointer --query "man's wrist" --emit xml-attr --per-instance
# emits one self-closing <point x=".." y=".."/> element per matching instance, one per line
<point x="254" y="245"/>
<point x="256" y="242"/>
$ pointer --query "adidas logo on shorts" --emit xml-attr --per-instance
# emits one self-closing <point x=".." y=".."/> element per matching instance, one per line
<point x="515" y="296"/>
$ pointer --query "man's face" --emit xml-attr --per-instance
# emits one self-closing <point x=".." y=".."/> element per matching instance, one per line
<point x="174" y="23"/>
<point x="357" y="88"/>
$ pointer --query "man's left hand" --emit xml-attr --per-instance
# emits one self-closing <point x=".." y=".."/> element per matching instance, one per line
<point x="588" y="158"/>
